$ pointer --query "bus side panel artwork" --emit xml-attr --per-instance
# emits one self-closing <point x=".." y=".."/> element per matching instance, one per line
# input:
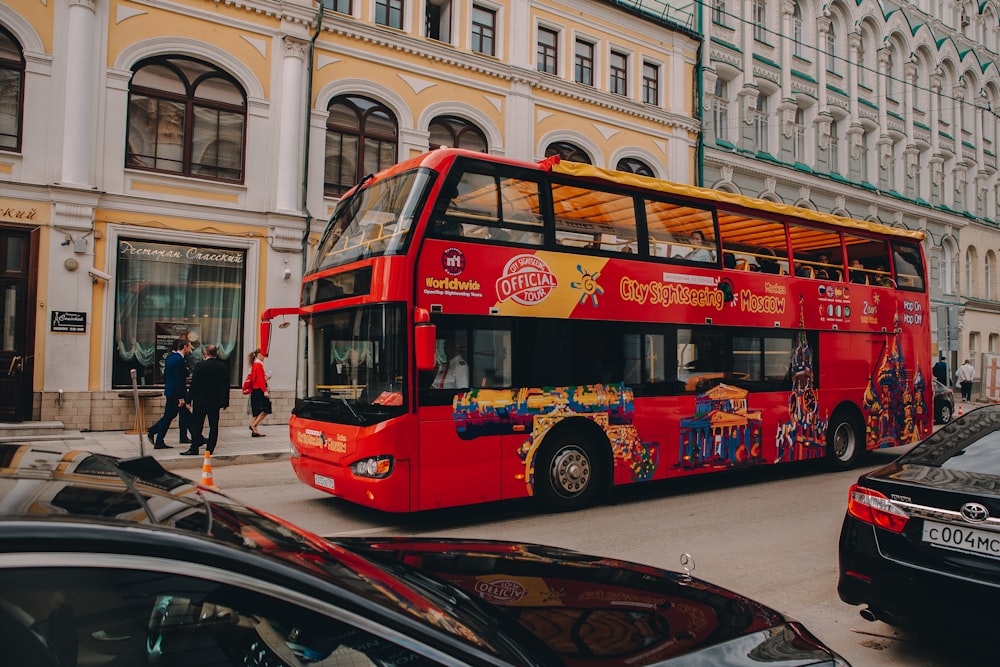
<point x="510" y="281"/>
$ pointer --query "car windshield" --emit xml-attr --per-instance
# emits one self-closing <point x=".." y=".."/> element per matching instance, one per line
<point x="374" y="220"/>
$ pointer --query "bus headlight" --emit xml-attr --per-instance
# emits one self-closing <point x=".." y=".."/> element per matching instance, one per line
<point x="375" y="467"/>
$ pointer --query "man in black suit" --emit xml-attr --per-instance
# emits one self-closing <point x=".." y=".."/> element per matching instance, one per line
<point x="209" y="393"/>
<point x="175" y="389"/>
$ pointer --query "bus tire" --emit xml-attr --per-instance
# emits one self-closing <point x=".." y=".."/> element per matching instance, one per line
<point x="569" y="473"/>
<point x="845" y="441"/>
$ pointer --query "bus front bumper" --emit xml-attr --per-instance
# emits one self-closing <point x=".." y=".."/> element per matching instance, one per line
<point x="388" y="494"/>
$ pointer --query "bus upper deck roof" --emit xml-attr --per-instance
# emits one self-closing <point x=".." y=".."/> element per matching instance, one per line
<point x="645" y="182"/>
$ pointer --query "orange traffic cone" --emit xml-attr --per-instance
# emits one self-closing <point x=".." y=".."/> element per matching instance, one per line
<point x="206" y="471"/>
<point x="959" y="409"/>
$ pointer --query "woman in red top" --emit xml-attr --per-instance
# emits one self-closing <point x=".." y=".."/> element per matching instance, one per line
<point x="260" y="398"/>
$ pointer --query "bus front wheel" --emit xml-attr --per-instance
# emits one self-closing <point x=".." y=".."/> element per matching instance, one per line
<point x="844" y="441"/>
<point x="568" y="474"/>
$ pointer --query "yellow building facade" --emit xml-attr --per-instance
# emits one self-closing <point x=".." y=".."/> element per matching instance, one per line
<point x="166" y="167"/>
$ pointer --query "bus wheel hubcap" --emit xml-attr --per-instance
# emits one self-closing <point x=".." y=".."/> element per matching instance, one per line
<point x="571" y="470"/>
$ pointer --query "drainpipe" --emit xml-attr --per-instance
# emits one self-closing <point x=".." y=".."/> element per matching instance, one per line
<point x="308" y="128"/>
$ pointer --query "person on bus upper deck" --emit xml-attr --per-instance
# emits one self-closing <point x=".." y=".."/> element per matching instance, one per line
<point x="700" y="249"/>
<point x="858" y="273"/>
<point x="454" y="372"/>
<point x="766" y="261"/>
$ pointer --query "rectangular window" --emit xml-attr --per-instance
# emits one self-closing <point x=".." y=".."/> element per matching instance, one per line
<point x="753" y="244"/>
<point x="583" y="63"/>
<point x="389" y="13"/>
<point x="650" y="84"/>
<point x="548" y="49"/>
<point x="341" y="6"/>
<point x="437" y="20"/>
<point x="484" y="27"/>
<point x="816" y="253"/>
<point x="593" y="219"/>
<point x="867" y="261"/>
<point x="834" y="150"/>
<point x="761" y="124"/>
<point x="759" y="19"/>
<point x="166" y="291"/>
<point x="680" y="232"/>
<point x="908" y="266"/>
<point x="720" y="110"/>
<point x="798" y="139"/>
<point x="618" y="73"/>
<point x="719" y="12"/>
<point x="501" y="207"/>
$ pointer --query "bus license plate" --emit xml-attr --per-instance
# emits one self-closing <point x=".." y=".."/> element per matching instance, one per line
<point x="323" y="481"/>
<point x="962" y="538"/>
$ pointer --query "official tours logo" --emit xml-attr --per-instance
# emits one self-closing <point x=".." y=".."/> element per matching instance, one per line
<point x="526" y="280"/>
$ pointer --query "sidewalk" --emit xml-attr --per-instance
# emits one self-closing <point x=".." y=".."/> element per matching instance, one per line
<point x="235" y="446"/>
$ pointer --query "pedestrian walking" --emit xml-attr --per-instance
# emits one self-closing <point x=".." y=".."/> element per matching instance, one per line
<point x="260" y="397"/>
<point x="175" y="390"/>
<point x="184" y="414"/>
<point x="965" y="374"/>
<point x="209" y="395"/>
<point x="941" y="371"/>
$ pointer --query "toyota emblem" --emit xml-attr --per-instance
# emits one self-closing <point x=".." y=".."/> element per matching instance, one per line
<point x="975" y="512"/>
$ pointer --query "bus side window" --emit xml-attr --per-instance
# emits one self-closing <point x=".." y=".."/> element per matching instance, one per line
<point x="594" y="219"/>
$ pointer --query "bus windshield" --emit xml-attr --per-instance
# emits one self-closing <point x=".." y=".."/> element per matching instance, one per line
<point x="356" y="366"/>
<point x="374" y="220"/>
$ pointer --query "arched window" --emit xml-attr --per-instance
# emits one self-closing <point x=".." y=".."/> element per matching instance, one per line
<point x="948" y="268"/>
<point x="455" y="132"/>
<point x="11" y="91"/>
<point x="634" y="166"/>
<point x="361" y="139"/>
<point x="186" y="117"/>
<point x="970" y="273"/>
<point x="567" y="151"/>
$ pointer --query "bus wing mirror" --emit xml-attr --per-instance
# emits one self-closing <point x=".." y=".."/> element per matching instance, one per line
<point x="425" y="345"/>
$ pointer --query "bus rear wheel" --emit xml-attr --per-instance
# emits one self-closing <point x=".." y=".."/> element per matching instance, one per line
<point x="568" y="474"/>
<point x="844" y="441"/>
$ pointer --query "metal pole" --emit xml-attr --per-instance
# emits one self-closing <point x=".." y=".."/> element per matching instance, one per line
<point x="139" y="426"/>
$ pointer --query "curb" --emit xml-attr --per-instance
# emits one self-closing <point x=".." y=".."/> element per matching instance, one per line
<point x="191" y="462"/>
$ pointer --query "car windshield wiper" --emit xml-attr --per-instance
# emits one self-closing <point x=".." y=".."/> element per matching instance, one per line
<point x="361" y="420"/>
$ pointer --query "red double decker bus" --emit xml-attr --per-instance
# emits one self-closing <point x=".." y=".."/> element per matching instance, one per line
<point x="475" y="328"/>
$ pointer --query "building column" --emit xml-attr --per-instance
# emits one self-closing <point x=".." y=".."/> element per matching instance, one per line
<point x="855" y="131"/>
<point x="290" y="134"/>
<point x="824" y="119"/>
<point x="885" y="143"/>
<point x="787" y="106"/>
<point x="79" y="107"/>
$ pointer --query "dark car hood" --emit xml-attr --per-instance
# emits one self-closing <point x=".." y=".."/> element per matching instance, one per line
<point x="601" y="611"/>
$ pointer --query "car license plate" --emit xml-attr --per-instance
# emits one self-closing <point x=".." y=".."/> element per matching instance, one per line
<point x="324" y="481"/>
<point x="962" y="538"/>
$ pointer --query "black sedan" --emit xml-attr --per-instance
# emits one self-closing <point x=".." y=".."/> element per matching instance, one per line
<point x="920" y="545"/>
<point x="944" y="403"/>
<point x="118" y="562"/>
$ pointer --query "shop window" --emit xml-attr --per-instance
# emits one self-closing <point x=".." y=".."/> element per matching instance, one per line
<point x="361" y="139"/>
<point x="186" y="117"/>
<point x="166" y="291"/>
<point x="11" y="91"/>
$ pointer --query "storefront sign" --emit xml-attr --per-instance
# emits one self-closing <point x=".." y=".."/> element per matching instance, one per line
<point x="20" y="210"/>
<point x="68" y="322"/>
<point x="181" y="254"/>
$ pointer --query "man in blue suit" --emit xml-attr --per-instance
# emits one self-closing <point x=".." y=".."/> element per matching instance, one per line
<point x="175" y="374"/>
